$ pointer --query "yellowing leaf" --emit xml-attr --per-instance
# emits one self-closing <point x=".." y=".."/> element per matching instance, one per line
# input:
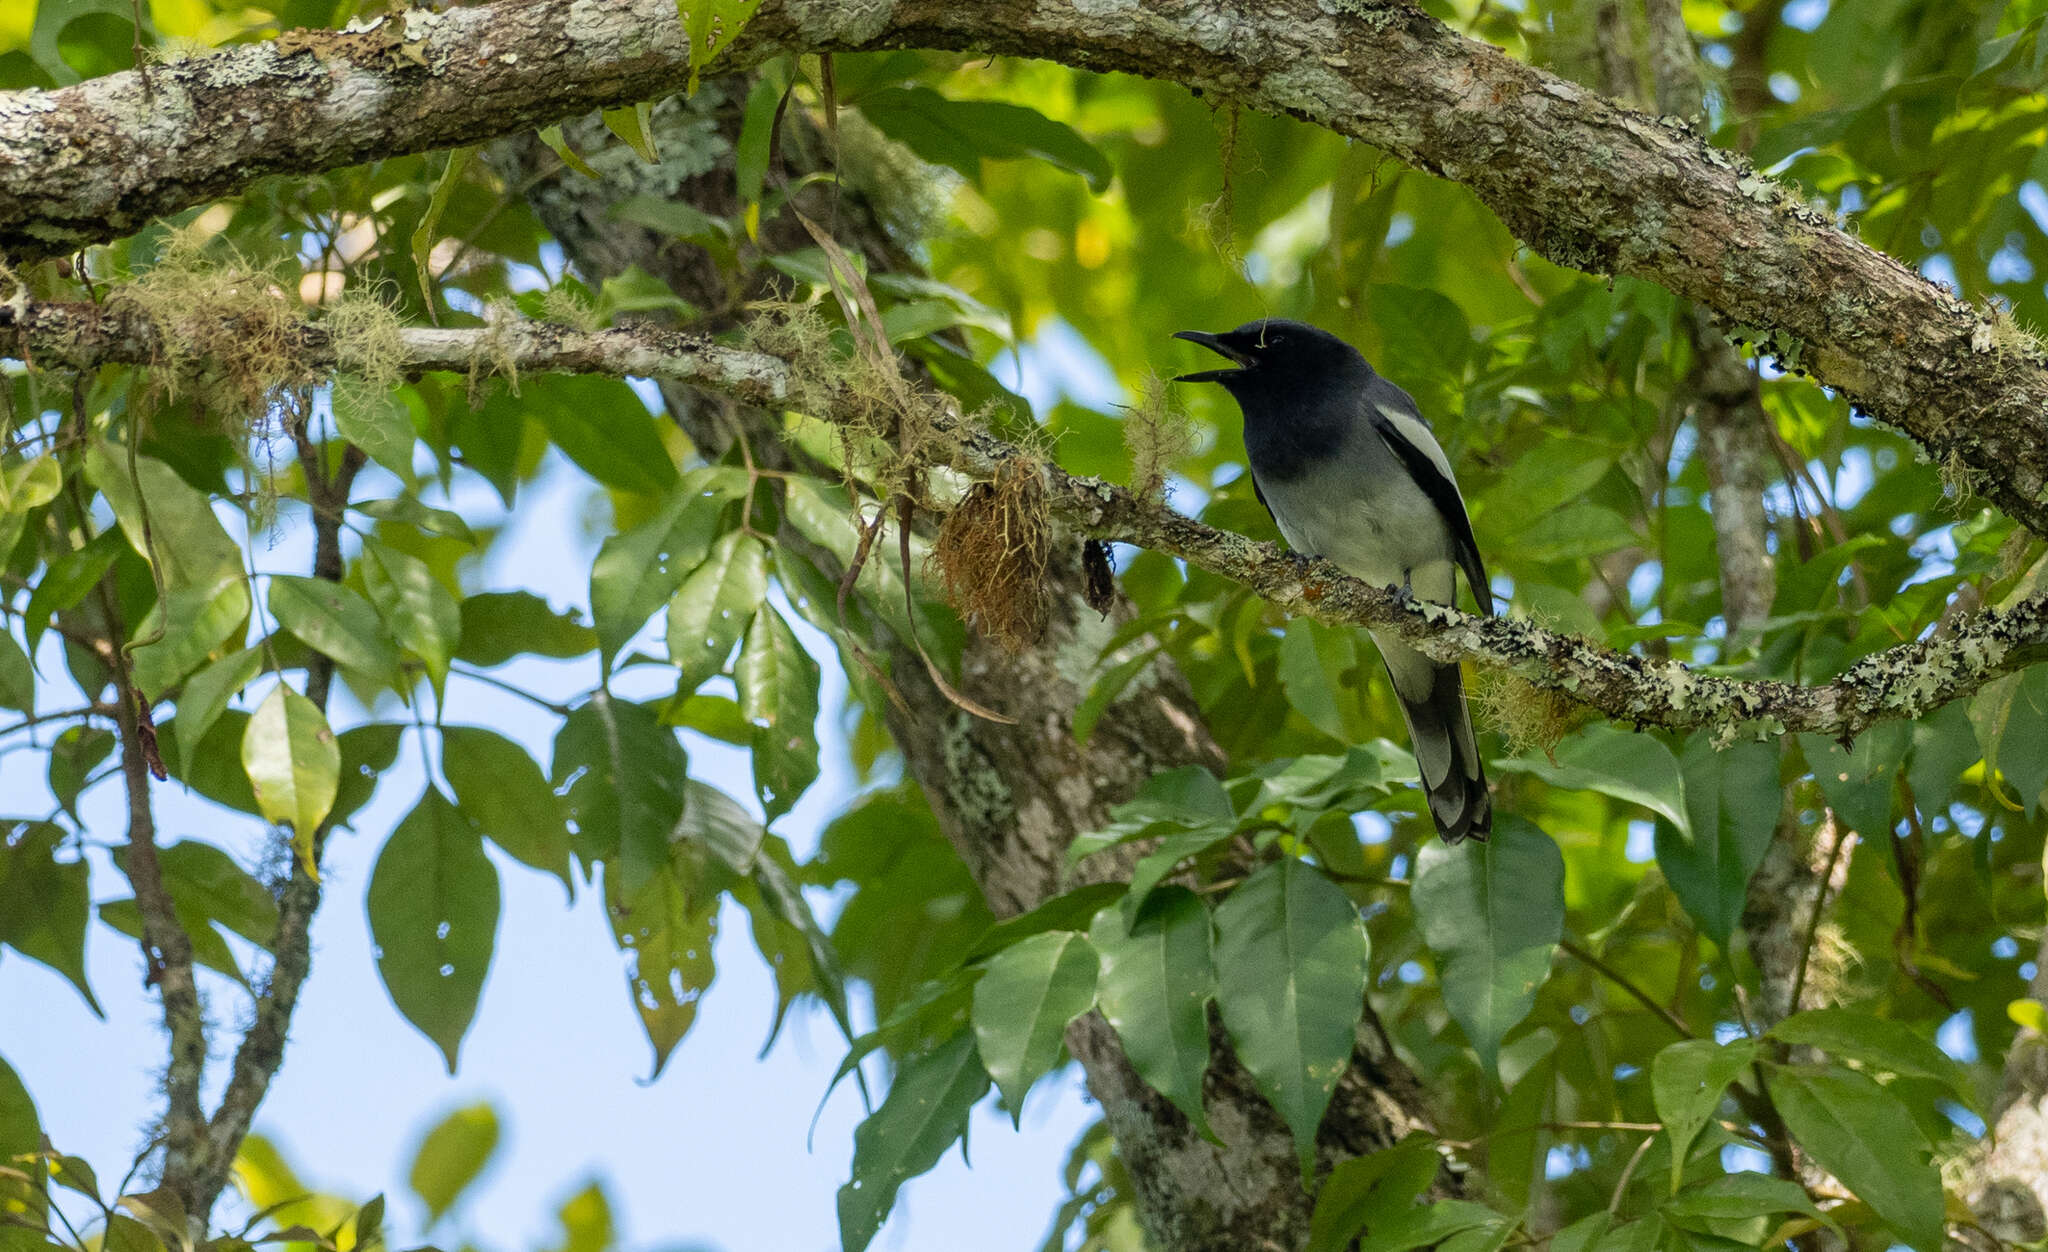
<point x="294" y="766"/>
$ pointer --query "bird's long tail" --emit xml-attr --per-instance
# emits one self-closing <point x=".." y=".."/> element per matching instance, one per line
<point x="1432" y="698"/>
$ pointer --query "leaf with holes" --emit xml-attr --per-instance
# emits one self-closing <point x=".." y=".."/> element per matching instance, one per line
<point x="622" y="774"/>
<point x="666" y="928"/>
<point x="710" y="25"/>
<point x="778" y="684"/>
<point x="638" y="570"/>
<point x="710" y="612"/>
<point x="433" y="905"/>
<point x="1493" y="913"/>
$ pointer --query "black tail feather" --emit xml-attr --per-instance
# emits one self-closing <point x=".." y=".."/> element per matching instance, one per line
<point x="1459" y="802"/>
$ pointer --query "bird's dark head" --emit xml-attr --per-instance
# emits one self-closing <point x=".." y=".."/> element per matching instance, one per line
<point x="1272" y="356"/>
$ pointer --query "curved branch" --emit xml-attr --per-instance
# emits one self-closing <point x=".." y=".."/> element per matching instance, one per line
<point x="1582" y="180"/>
<point x="1906" y="681"/>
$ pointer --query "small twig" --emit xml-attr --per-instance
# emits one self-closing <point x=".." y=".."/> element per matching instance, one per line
<point x="1619" y="979"/>
<point x="559" y="710"/>
<point x="1645" y="1127"/>
<point x="1820" y="903"/>
<point x="1628" y="1173"/>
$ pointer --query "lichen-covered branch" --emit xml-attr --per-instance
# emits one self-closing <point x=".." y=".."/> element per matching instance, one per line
<point x="1584" y="181"/>
<point x="1906" y="681"/>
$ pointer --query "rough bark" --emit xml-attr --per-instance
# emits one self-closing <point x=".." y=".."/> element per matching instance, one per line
<point x="1583" y="181"/>
<point x="1011" y="798"/>
<point x="2008" y="1182"/>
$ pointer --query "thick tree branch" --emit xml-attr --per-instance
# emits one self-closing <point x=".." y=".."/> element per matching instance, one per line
<point x="1906" y="681"/>
<point x="1582" y="180"/>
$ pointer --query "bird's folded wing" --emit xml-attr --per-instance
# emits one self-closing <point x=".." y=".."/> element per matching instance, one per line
<point x="1407" y="435"/>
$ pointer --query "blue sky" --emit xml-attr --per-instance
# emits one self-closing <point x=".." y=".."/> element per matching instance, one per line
<point x="713" y="1155"/>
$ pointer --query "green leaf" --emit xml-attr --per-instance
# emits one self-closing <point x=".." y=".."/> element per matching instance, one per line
<point x="205" y="697"/>
<point x="419" y="611"/>
<point x="1862" y="1134"/>
<point x="1859" y="783"/>
<point x="925" y="1112"/>
<point x="778" y="684"/>
<point x="66" y="579"/>
<point x="1313" y="662"/>
<point x="45" y="903"/>
<point x="452" y="1156"/>
<point x="377" y="420"/>
<point x="30" y="484"/>
<point x="1575" y="532"/>
<point x="1290" y="984"/>
<point x="1493" y="913"/>
<point x="638" y="570"/>
<point x="1686" y="1081"/>
<point x="666" y="928"/>
<point x="1733" y="1197"/>
<point x="962" y="133"/>
<point x="624" y="774"/>
<point x="1731" y="800"/>
<point x="437" y="204"/>
<point x="208" y="884"/>
<point x="710" y="26"/>
<point x="433" y="904"/>
<point x="1365" y="1192"/>
<point x="710" y="613"/>
<point x="1156" y="981"/>
<point x="501" y="790"/>
<point x="499" y="625"/>
<point x="602" y="426"/>
<point x="294" y="766"/>
<point x="1878" y="1042"/>
<point x="552" y="137"/>
<point x="631" y="124"/>
<point x="1631" y="767"/>
<point x="208" y="602"/>
<point x="412" y="512"/>
<point x="1022" y="1005"/>
<point x="1437" y="1226"/>
<point x="17" y="676"/>
<point x="209" y="949"/>
<point x="336" y="622"/>
<point x="757" y="139"/>
<point x="20" y="1129"/>
<point x="74" y="755"/>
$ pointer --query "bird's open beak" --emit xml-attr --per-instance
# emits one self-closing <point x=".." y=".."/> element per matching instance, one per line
<point x="1214" y="344"/>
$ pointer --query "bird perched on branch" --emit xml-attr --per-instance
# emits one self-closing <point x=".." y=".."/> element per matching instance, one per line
<point x="1350" y="471"/>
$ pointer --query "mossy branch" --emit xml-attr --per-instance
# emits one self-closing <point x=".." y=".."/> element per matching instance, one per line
<point x="1906" y="681"/>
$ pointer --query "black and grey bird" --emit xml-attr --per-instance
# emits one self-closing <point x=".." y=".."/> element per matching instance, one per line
<point x="1350" y="471"/>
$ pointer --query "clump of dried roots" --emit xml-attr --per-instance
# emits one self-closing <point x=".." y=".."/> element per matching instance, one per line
<point x="991" y="555"/>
